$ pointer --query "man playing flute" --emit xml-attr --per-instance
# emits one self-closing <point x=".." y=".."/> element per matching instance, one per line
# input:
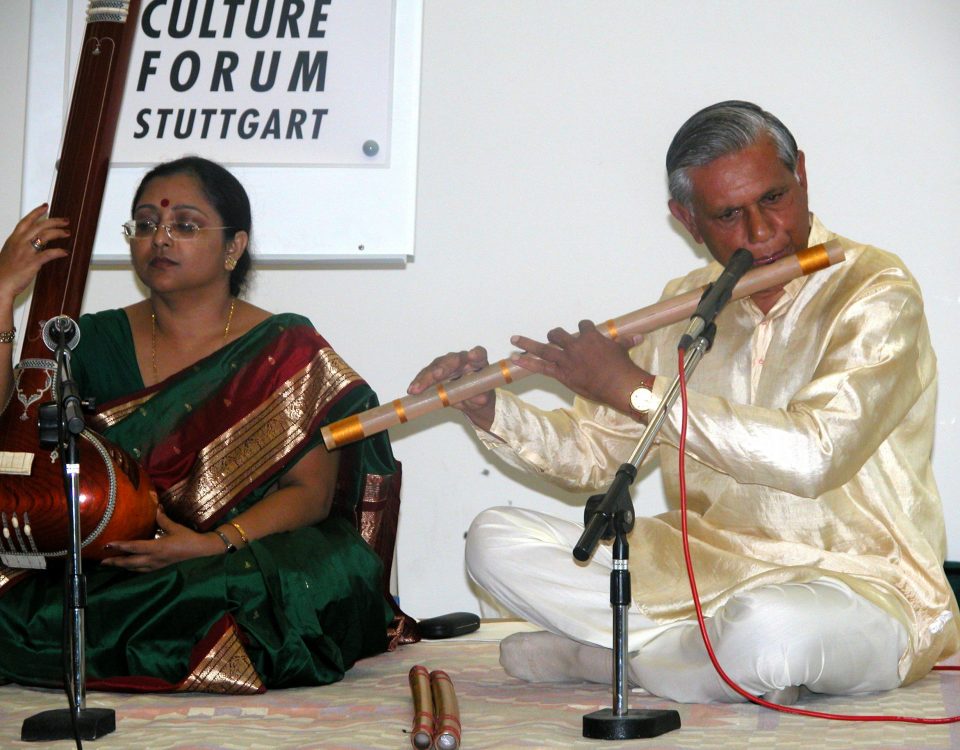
<point x="815" y="524"/>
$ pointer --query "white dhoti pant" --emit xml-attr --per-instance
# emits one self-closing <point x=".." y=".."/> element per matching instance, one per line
<point x="820" y="635"/>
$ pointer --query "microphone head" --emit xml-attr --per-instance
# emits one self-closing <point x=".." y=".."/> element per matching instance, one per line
<point x="62" y="325"/>
<point x="741" y="261"/>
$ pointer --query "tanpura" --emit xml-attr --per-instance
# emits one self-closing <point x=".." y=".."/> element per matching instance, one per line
<point x="117" y="499"/>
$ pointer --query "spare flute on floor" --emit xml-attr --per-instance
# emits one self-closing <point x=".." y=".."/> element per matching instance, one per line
<point x="421" y="736"/>
<point x="500" y="373"/>
<point x="447" y="733"/>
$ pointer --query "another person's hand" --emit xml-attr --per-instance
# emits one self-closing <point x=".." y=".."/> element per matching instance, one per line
<point x="480" y="408"/>
<point x="589" y="364"/>
<point x="176" y="543"/>
<point x="25" y="251"/>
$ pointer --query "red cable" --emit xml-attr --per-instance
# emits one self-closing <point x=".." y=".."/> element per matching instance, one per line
<point x="702" y="625"/>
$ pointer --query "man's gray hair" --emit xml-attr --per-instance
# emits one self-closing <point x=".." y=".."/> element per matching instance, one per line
<point x="716" y="131"/>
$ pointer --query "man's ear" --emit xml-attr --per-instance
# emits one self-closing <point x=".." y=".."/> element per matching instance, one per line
<point x="801" y="170"/>
<point x="682" y="214"/>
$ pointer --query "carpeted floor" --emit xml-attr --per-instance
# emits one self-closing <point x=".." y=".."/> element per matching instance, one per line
<point x="372" y="708"/>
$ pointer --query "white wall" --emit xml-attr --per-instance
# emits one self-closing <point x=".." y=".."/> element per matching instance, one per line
<point x="14" y="40"/>
<point x="541" y="200"/>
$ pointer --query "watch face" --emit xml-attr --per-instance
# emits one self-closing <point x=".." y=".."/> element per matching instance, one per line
<point x="643" y="400"/>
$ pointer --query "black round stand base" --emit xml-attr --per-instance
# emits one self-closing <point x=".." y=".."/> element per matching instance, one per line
<point x="57" y="725"/>
<point x="604" y="725"/>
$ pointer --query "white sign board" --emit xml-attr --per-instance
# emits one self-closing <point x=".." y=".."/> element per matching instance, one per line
<point x="313" y="104"/>
<point x="271" y="82"/>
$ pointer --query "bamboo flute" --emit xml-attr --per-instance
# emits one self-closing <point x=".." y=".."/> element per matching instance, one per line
<point x="503" y="372"/>
<point x="421" y="735"/>
<point x="447" y="733"/>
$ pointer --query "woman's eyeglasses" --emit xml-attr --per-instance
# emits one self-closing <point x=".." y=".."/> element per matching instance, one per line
<point x="141" y="229"/>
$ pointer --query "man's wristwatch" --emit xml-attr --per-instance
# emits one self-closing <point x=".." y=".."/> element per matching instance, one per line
<point x="642" y="400"/>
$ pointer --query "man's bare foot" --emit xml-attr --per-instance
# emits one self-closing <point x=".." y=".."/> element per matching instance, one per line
<point x="545" y="657"/>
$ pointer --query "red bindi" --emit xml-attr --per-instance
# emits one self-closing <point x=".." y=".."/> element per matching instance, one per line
<point x="164" y="203"/>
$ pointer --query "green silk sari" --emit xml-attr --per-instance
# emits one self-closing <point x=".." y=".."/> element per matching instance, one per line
<point x="290" y="609"/>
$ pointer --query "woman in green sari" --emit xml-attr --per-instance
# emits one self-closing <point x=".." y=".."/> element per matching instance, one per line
<point x="257" y="576"/>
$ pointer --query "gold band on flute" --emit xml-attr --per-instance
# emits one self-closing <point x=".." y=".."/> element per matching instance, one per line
<point x="421" y="735"/>
<point x="643" y="320"/>
<point x="813" y="259"/>
<point x="447" y="733"/>
<point x="345" y="431"/>
<point x="401" y="412"/>
<point x="442" y="393"/>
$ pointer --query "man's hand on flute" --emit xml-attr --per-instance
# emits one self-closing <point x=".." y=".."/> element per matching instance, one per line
<point x="480" y="408"/>
<point x="589" y="364"/>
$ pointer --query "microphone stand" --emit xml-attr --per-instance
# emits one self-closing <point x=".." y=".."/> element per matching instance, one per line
<point x="611" y="516"/>
<point x="61" y="423"/>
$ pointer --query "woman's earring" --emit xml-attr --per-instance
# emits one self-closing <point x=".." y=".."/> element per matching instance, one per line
<point x="230" y="263"/>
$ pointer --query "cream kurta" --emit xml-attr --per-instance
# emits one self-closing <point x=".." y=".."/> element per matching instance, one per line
<point x="808" y="450"/>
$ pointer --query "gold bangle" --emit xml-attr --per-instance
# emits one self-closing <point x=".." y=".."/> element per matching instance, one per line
<point x="243" y="537"/>
<point x="8" y="337"/>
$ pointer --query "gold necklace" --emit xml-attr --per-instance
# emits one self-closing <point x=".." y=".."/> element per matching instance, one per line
<point x="153" y="337"/>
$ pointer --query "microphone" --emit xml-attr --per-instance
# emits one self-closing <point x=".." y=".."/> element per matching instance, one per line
<point x="62" y="334"/>
<point x="62" y="325"/>
<point x="716" y="296"/>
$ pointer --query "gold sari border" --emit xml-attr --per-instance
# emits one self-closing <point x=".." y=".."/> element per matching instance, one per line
<point x="268" y="434"/>
<point x="110" y="417"/>
<point x="8" y="576"/>
<point x="225" y="669"/>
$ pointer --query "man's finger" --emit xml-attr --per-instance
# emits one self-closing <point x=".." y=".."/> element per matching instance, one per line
<point x="559" y="336"/>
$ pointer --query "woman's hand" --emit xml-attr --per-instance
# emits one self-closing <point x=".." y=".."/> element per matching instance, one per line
<point x="176" y="543"/>
<point x="480" y="408"/>
<point x="24" y="253"/>
<point x="303" y="497"/>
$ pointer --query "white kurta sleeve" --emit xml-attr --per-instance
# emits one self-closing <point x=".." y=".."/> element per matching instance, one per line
<point x="579" y="448"/>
